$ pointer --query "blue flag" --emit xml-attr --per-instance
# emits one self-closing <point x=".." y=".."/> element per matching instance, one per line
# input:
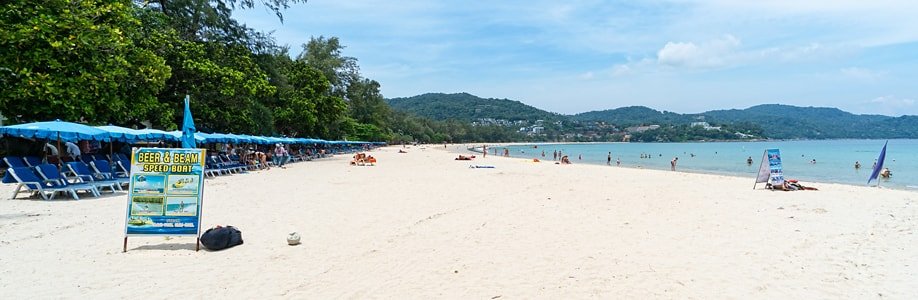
<point x="188" y="127"/>
<point x="879" y="166"/>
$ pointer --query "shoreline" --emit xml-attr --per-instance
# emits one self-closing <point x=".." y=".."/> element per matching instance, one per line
<point x="688" y="171"/>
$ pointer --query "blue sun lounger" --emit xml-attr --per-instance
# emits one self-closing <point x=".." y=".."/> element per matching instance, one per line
<point x="26" y="178"/>
<point x="32" y="160"/>
<point x="81" y="170"/>
<point x="105" y="169"/>
<point x="51" y="173"/>
<point x="15" y="162"/>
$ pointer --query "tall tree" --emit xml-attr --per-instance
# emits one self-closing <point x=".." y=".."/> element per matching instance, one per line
<point x="295" y="113"/>
<point x="76" y="60"/>
<point x="211" y="20"/>
<point x="325" y="55"/>
<point x="369" y="110"/>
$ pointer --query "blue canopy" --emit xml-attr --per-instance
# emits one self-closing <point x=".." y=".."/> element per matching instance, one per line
<point x="123" y="134"/>
<point x="66" y="131"/>
<point x="156" y="134"/>
<point x="177" y="136"/>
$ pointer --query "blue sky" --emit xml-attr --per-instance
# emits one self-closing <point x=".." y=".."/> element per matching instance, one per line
<point x="677" y="55"/>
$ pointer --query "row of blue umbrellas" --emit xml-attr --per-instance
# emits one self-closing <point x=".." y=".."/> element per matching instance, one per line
<point x="67" y="131"/>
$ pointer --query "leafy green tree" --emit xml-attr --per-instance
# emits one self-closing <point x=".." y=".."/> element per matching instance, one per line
<point x="368" y="107"/>
<point x="295" y="111"/>
<point x="76" y="60"/>
<point x="325" y="55"/>
<point x="211" y="20"/>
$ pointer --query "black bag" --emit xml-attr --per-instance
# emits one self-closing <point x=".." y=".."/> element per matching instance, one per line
<point x="219" y="238"/>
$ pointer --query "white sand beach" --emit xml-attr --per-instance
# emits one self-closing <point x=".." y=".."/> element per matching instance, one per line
<point x="421" y="225"/>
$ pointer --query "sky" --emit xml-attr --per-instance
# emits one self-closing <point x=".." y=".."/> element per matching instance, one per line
<point x="572" y="56"/>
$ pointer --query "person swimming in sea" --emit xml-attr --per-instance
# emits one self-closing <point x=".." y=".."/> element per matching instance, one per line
<point x="885" y="173"/>
<point x="857" y="164"/>
<point x="749" y="161"/>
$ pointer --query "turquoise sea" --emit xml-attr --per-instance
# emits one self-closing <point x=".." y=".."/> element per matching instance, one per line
<point x="834" y="158"/>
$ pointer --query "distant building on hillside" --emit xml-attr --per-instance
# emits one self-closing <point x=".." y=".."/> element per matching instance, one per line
<point x="705" y="125"/>
<point x="641" y="128"/>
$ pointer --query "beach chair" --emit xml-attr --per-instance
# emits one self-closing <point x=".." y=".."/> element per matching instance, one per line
<point x="101" y="156"/>
<point x="213" y="169"/>
<point x="229" y="163"/>
<point x="121" y="156"/>
<point x="104" y="168"/>
<point x="15" y="162"/>
<point x="50" y="173"/>
<point x="32" y="160"/>
<point x="84" y="174"/>
<point x="123" y="165"/>
<point x="222" y="165"/>
<point x="26" y="178"/>
<point x="87" y="158"/>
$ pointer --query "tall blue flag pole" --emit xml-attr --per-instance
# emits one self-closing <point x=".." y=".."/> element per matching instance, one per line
<point x="879" y="166"/>
<point x="188" y="126"/>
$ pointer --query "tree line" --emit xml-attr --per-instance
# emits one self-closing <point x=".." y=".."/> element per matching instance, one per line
<point x="128" y="62"/>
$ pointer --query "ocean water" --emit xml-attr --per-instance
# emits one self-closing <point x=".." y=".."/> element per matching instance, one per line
<point x="834" y="158"/>
<point x="188" y="208"/>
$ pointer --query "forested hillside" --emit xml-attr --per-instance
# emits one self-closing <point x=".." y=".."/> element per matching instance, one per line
<point x="464" y="106"/>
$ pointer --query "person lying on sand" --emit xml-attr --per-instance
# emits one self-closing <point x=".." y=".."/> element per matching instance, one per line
<point x="790" y="185"/>
<point x="463" y="157"/>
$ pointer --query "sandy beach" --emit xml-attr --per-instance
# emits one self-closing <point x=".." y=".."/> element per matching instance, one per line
<point x="421" y="225"/>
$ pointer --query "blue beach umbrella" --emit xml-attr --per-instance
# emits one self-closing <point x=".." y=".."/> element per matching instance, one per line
<point x="122" y="134"/>
<point x="156" y="134"/>
<point x="178" y="135"/>
<point x="879" y="166"/>
<point x="188" y="127"/>
<point x="59" y="130"/>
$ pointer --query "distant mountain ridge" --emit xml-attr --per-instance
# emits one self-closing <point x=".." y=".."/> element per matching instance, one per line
<point x="777" y="120"/>
<point x="467" y="107"/>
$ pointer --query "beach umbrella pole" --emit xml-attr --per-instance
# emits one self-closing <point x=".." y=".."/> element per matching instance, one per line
<point x="59" y="160"/>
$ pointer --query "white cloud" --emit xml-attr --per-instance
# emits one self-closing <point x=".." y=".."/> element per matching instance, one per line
<point x="587" y="76"/>
<point x="890" y="100"/>
<point x="862" y="74"/>
<point x="620" y="70"/>
<point x="890" y="105"/>
<point x="712" y="54"/>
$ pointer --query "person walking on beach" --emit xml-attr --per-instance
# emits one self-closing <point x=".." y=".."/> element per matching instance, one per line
<point x="672" y="163"/>
<point x="554" y="155"/>
<point x="618" y="162"/>
<point x="484" y="151"/>
<point x="609" y="159"/>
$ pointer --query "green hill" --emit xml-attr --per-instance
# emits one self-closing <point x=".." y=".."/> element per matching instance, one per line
<point x="791" y="122"/>
<point x="774" y="120"/>
<point x="467" y="107"/>
<point x="634" y="115"/>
